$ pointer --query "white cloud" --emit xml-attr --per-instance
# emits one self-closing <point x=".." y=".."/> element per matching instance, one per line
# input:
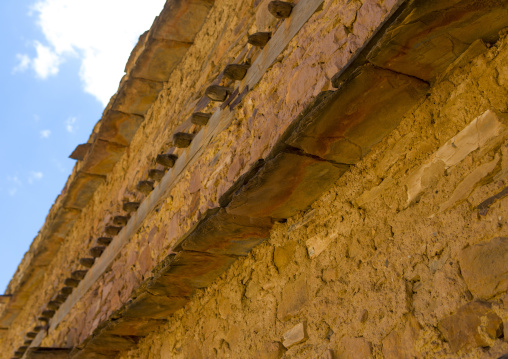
<point x="46" y="62"/>
<point x="15" y="183"/>
<point x="34" y="176"/>
<point x="23" y="63"/>
<point x="45" y="133"/>
<point x="70" y="124"/>
<point x="100" y="33"/>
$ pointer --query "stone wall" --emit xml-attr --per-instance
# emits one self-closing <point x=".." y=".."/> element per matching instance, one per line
<point x="389" y="261"/>
<point x="404" y="257"/>
<point x="258" y="123"/>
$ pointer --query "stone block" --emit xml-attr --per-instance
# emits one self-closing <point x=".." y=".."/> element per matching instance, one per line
<point x="63" y="221"/>
<point x="286" y="184"/>
<point x="80" y="151"/>
<point x="119" y="127"/>
<point x="136" y="96"/>
<point x="223" y="233"/>
<point x="187" y="271"/>
<point x="430" y="35"/>
<point x="158" y="59"/>
<point x="271" y="350"/>
<point x="151" y="306"/>
<point x="81" y="190"/>
<point x="107" y="343"/>
<point x="296" y="335"/>
<point x="402" y="343"/>
<point x="342" y="126"/>
<point x="354" y="348"/>
<point x="102" y="157"/>
<point x="294" y="298"/>
<point x="138" y="327"/>
<point x="181" y="20"/>
<point x="474" y="325"/>
<point x="484" y="267"/>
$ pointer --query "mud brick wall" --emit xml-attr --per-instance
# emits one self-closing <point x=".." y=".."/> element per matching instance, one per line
<point x="388" y="262"/>
<point x="263" y="116"/>
<point x="404" y="257"/>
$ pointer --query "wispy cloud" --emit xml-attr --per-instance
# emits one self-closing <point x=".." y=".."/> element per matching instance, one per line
<point x="70" y="124"/>
<point x="45" y="133"/>
<point x="34" y="176"/>
<point x="23" y="63"/>
<point x="14" y="184"/>
<point x="103" y="47"/>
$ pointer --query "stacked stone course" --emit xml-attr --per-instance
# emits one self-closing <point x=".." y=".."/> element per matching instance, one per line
<point x="367" y="170"/>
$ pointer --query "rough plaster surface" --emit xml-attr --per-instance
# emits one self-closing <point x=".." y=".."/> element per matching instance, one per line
<point x="368" y="274"/>
<point x="361" y="263"/>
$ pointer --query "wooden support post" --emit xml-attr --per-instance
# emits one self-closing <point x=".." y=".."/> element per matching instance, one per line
<point x="200" y="118"/>
<point x="54" y="305"/>
<point x="145" y="187"/>
<point x="120" y="220"/>
<point x="280" y="9"/>
<point x="156" y="174"/>
<point x="104" y="241"/>
<point x="87" y="262"/>
<point x="167" y="160"/>
<point x="218" y="93"/>
<point x="130" y="207"/>
<point x="97" y="251"/>
<point x="236" y="71"/>
<point x="66" y="291"/>
<point x="259" y="39"/>
<point x="47" y="314"/>
<point x="78" y="274"/>
<point x="112" y="230"/>
<point x="182" y="139"/>
<point x="71" y="282"/>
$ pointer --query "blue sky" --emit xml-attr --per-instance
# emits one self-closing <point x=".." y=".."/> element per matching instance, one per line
<point x="61" y="61"/>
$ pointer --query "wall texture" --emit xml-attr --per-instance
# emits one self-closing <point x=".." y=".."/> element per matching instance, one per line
<point x="367" y="272"/>
<point x="404" y="256"/>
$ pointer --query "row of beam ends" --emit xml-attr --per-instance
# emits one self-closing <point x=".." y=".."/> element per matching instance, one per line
<point x="236" y="72"/>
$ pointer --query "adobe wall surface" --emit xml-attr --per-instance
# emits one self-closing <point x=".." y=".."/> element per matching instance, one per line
<point x="362" y="262"/>
<point x="370" y="274"/>
<point x="302" y="70"/>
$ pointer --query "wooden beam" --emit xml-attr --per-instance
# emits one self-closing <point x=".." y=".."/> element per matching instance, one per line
<point x="218" y="122"/>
